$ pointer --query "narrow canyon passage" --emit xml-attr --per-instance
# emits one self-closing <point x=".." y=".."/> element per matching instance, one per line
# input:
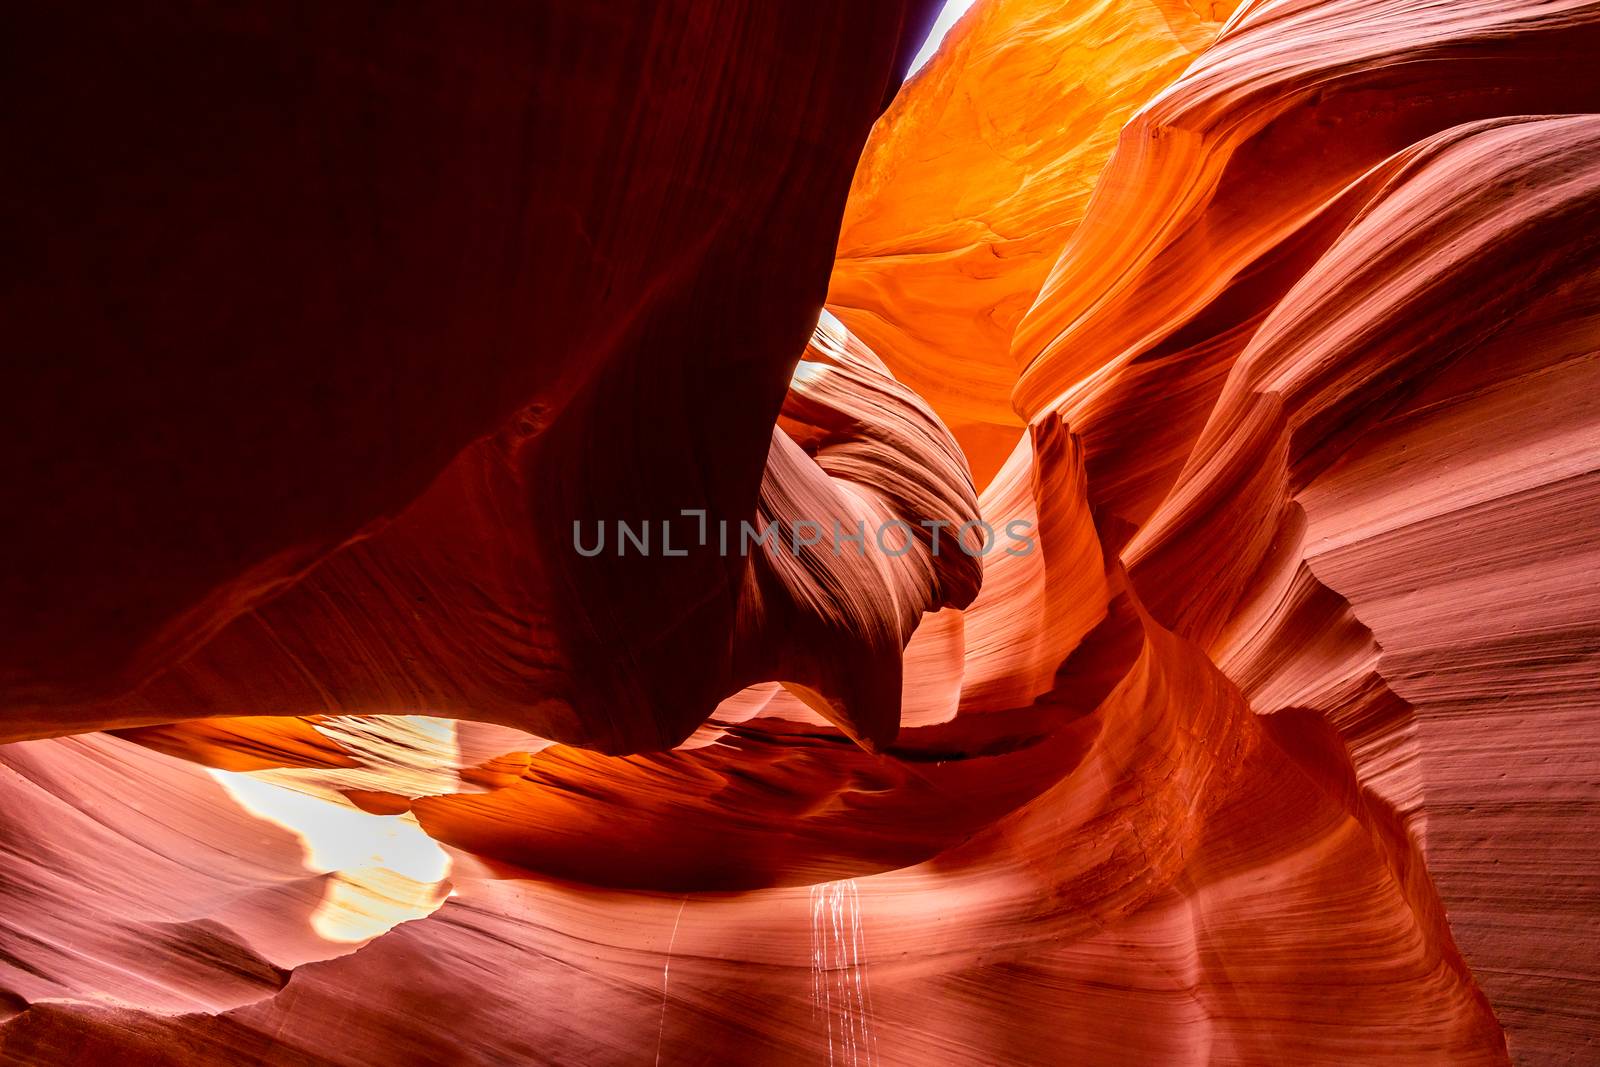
<point x="717" y="532"/>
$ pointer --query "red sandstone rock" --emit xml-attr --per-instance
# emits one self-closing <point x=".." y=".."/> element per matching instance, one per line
<point x="1276" y="748"/>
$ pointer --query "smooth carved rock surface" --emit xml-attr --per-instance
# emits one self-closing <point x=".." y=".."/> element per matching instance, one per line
<point x="1276" y="329"/>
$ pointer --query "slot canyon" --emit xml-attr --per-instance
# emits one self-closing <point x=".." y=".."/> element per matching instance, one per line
<point x="851" y="532"/>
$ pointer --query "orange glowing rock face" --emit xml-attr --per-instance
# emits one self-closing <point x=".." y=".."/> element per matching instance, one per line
<point x="1212" y="675"/>
<point x="974" y="179"/>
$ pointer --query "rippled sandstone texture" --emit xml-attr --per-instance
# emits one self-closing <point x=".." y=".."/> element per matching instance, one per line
<point x="1278" y="324"/>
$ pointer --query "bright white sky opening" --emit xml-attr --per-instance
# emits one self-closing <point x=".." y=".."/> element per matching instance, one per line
<point x="953" y="10"/>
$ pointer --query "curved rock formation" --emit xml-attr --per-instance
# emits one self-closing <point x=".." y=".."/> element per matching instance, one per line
<point x="1148" y="621"/>
<point x="273" y="291"/>
<point x="975" y="178"/>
